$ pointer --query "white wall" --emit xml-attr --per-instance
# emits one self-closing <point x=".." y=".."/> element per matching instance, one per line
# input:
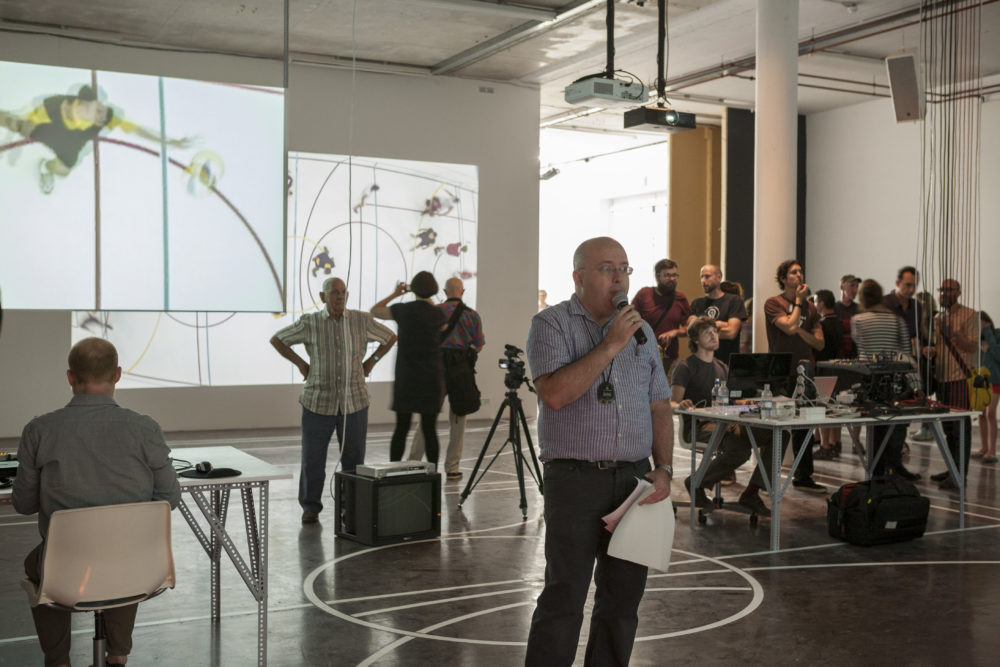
<point x="419" y="118"/>
<point x="863" y="197"/>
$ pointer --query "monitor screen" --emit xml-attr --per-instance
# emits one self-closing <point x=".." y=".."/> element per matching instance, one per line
<point x="748" y="373"/>
<point x="404" y="509"/>
<point x="133" y="192"/>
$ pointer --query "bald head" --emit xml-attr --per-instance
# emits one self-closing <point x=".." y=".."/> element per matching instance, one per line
<point x="592" y="247"/>
<point x="454" y="288"/>
<point x="334" y="295"/>
<point x="93" y="366"/>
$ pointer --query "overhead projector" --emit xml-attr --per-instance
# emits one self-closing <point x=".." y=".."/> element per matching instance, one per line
<point x="658" y="119"/>
<point x="606" y="92"/>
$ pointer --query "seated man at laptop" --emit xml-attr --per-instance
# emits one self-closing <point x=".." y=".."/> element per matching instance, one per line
<point x="91" y="452"/>
<point x="691" y="387"/>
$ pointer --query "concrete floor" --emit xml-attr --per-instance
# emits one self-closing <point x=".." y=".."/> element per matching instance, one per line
<point x="467" y="598"/>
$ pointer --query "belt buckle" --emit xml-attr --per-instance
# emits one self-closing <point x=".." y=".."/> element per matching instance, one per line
<point x="603" y="465"/>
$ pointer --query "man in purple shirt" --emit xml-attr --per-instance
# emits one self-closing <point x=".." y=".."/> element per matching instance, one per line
<point x="665" y="309"/>
<point x="604" y="409"/>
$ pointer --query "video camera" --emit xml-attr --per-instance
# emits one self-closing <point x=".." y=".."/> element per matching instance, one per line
<point x="514" y="365"/>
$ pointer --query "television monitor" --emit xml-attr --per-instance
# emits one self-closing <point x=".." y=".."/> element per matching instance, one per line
<point x="388" y="510"/>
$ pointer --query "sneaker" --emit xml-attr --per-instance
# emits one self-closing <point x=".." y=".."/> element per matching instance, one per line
<point x="754" y="504"/>
<point x="923" y="435"/>
<point x="940" y="476"/>
<point x="700" y="498"/>
<point x="809" y="485"/>
<point x="46" y="179"/>
<point x="310" y="517"/>
<point x="825" y="454"/>
<point x="455" y="475"/>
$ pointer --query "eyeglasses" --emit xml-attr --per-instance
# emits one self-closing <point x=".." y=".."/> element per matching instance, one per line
<point x="608" y="270"/>
<point x="664" y="274"/>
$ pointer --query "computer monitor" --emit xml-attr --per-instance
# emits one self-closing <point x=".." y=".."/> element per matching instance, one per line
<point x="748" y="373"/>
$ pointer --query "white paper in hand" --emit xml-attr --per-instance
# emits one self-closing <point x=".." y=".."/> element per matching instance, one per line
<point x="645" y="534"/>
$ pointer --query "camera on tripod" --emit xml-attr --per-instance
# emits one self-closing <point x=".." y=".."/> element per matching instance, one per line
<point x="514" y="365"/>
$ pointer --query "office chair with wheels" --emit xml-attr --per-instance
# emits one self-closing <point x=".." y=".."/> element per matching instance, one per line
<point x="97" y="558"/>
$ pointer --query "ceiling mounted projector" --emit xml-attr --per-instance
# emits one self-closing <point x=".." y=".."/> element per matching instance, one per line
<point x="606" y="92"/>
<point x="658" y="119"/>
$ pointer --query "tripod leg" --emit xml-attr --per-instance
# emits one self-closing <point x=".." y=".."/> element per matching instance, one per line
<point x="515" y="440"/>
<point x="531" y="449"/>
<point x="482" y="453"/>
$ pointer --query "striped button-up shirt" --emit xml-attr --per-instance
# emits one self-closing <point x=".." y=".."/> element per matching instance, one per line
<point x="336" y="349"/>
<point x="588" y="430"/>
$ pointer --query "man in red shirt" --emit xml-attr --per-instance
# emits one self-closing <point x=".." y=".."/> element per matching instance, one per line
<point x="665" y="309"/>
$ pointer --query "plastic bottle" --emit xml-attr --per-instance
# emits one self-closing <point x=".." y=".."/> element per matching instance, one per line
<point x="723" y="396"/>
<point x="766" y="403"/>
<point x="715" y="396"/>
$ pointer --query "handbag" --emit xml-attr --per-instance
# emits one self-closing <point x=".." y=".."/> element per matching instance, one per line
<point x="978" y="379"/>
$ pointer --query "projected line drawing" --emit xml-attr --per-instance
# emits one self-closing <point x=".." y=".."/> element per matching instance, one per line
<point x="231" y="348"/>
<point x="77" y="146"/>
<point x="66" y="123"/>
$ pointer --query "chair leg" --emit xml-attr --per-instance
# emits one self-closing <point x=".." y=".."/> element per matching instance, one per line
<point x="100" y="659"/>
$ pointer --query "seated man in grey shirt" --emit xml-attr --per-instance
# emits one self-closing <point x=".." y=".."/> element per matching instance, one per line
<point x="91" y="452"/>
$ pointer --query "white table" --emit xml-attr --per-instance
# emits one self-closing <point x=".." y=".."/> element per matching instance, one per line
<point x="772" y="478"/>
<point x="211" y="497"/>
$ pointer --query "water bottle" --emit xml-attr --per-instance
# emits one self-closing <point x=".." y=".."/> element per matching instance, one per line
<point x="766" y="403"/>
<point x="723" y="397"/>
<point x="715" y="396"/>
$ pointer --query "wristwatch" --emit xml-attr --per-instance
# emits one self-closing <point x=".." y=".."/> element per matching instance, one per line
<point x="669" y="468"/>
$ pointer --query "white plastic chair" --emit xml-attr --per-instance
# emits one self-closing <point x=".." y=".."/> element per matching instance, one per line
<point x="97" y="558"/>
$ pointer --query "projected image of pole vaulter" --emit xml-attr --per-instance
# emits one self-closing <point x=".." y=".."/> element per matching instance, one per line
<point x="363" y="220"/>
<point x="131" y="192"/>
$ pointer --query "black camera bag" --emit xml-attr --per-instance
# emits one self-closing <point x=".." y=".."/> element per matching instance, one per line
<point x="879" y="511"/>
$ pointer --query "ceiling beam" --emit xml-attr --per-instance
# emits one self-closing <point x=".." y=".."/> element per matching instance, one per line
<point x="497" y="7"/>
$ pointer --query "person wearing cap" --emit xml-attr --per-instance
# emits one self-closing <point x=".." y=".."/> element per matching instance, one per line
<point x="847" y="308"/>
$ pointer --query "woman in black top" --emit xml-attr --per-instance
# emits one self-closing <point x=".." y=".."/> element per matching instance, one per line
<point x="419" y="385"/>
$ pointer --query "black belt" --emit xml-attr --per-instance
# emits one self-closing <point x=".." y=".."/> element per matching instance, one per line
<point x="600" y="465"/>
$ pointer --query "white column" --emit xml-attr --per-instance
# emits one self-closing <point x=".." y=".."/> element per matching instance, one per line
<point x="776" y="132"/>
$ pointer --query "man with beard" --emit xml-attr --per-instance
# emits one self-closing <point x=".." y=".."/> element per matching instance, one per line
<point x="726" y="310"/>
<point x="665" y="309"/>
<point x="792" y="326"/>
<point x="956" y="347"/>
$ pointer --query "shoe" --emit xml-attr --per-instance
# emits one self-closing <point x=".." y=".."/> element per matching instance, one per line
<point x="455" y="475"/>
<point x="809" y="485"/>
<point x="978" y="455"/>
<point x="901" y="471"/>
<point x="729" y="479"/>
<point x="46" y="179"/>
<point x="825" y="454"/>
<point x="310" y="517"/>
<point x="754" y="504"/>
<point x="700" y="498"/>
<point x="923" y="435"/>
<point x="989" y="459"/>
<point x="939" y="476"/>
<point x="837" y="448"/>
<point x="948" y="485"/>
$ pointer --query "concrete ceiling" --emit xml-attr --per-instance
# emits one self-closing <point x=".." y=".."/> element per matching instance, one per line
<point x="543" y="43"/>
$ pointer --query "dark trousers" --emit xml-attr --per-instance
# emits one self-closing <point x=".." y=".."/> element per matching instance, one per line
<point x="956" y="395"/>
<point x="805" y="469"/>
<point x="734" y="451"/>
<point x="317" y="429"/>
<point x="53" y="625"/>
<point x="577" y="495"/>
<point x="428" y="428"/>
<point x="892" y="457"/>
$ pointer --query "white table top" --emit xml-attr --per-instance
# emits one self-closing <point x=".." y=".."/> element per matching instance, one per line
<point x="252" y="468"/>
<point x="798" y="422"/>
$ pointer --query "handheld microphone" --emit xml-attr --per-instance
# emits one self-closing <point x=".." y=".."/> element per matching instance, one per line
<point x="620" y="301"/>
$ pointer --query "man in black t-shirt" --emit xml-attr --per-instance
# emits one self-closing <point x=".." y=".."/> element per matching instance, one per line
<point x="726" y="310"/>
<point x="691" y="387"/>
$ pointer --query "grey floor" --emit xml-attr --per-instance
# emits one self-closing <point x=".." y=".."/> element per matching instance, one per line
<point x="466" y="598"/>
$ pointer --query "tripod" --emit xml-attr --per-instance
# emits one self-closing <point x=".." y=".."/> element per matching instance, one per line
<point x="516" y="422"/>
